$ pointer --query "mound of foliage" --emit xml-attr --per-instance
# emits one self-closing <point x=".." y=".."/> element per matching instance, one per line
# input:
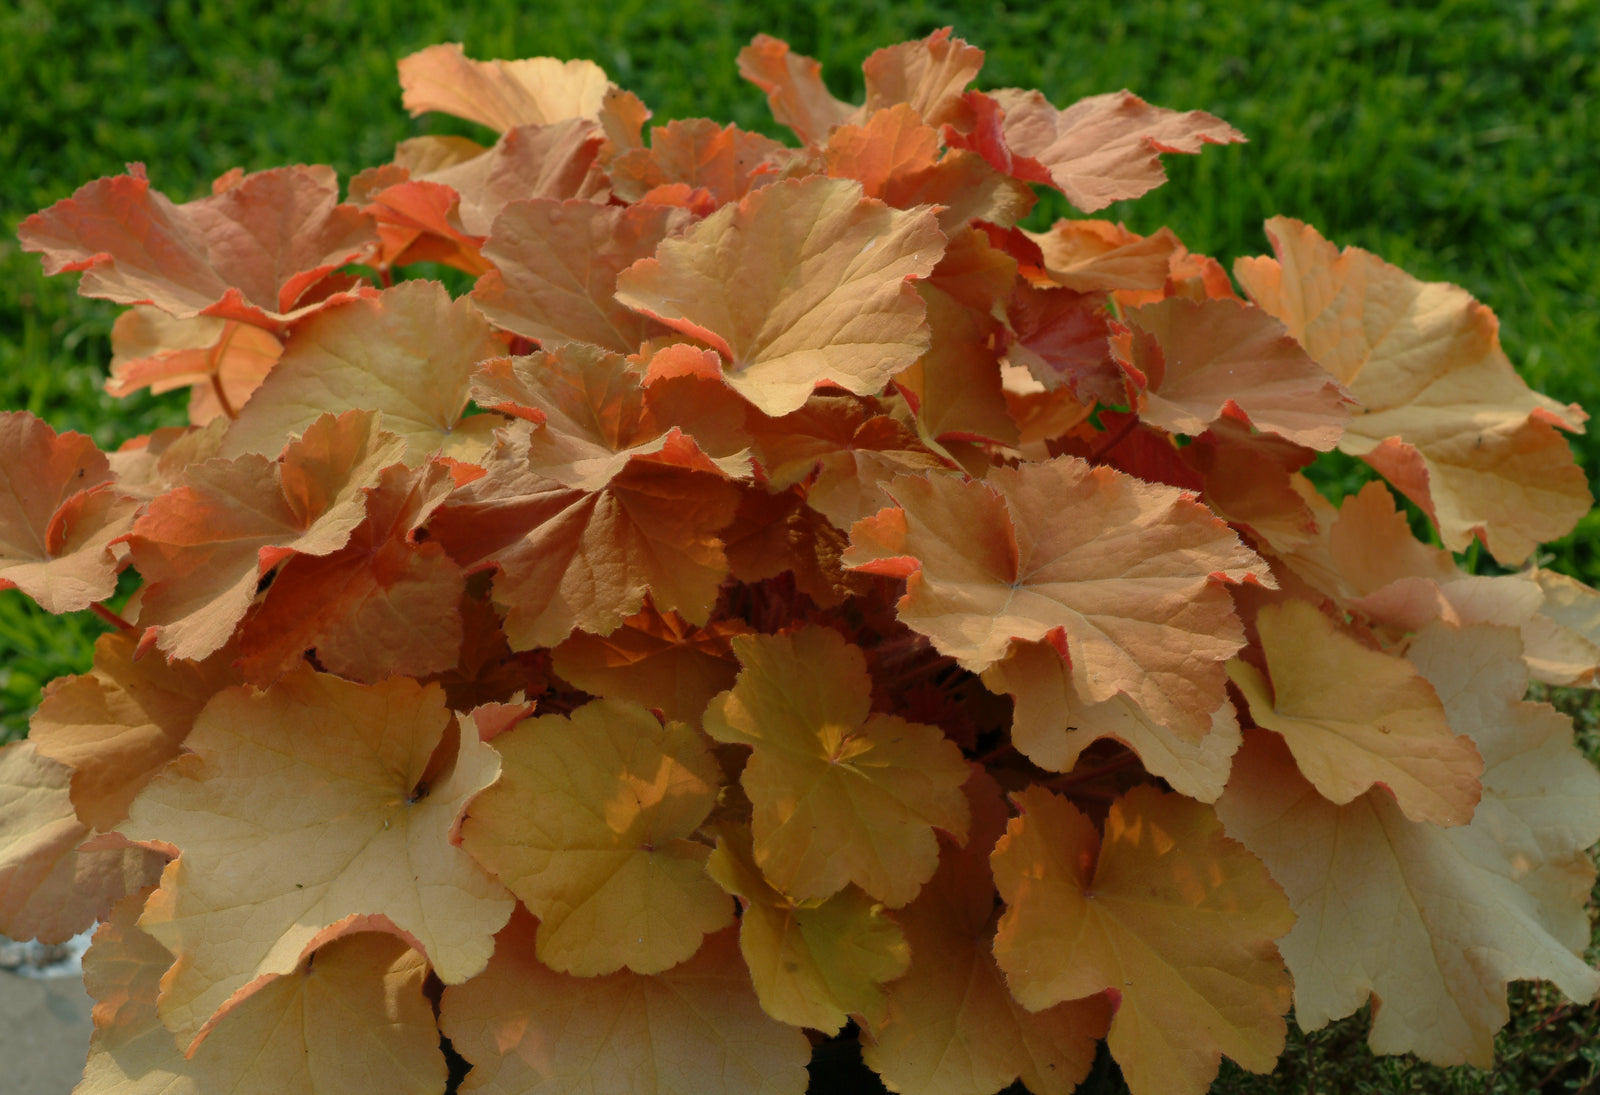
<point x="783" y="593"/>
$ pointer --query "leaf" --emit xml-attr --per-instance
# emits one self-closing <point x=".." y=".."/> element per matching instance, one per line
<point x="1102" y="149"/>
<point x="302" y="815"/>
<point x="1062" y="337"/>
<point x="49" y="889"/>
<point x="573" y="559"/>
<point x="408" y="353"/>
<point x="724" y="161"/>
<point x="1166" y="913"/>
<point x="953" y="1027"/>
<point x="841" y="795"/>
<point x="694" y="1030"/>
<point x="1445" y="417"/>
<point x="555" y="162"/>
<point x="928" y="74"/>
<point x="203" y="547"/>
<point x="252" y="252"/>
<point x="60" y="511"/>
<point x="1090" y="256"/>
<point x="1223" y="357"/>
<point x="801" y="282"/>
<point x="150" y="349"/>
<point x="589" y="825"/>
<point x="1435" y="922"/>
<point x="500" y="94"/>
<point x="779" y="533"/>
<point x="118" y="725"/>
<point x="1355" y="717"/>
<point x="814" y="964"/>
<point x="955" y="387"/>
<point x="1124" y="567"/>
<point x="1051" y="724"/>
<point x="556" y="266"/>
<point x="795" y="91"/>
<point x="352" y="1017"/>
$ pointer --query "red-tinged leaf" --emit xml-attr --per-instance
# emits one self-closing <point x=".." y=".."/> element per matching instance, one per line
<point x="774" y="533"/>
<point x="953" y="1027"/>
<point x="420" y="221"/>
<point x="304" y="813"/>
<point x="1435" y="922"/>
<point x="408" y="353"/>
<point x="696" y="1029"/>
<point x="974" y="271"/>
<point x="1052" y="725"/>
<point x="814" y="964"/>
<point x="802" y="282"/>
<point x="352" y="1017"/>
<point x="501" y="94"/>
<point x="573" y="559"/>
<point x="250" y="252"/>
<point x="49" y="890"/>
<point x="1164" y="911"/>
<point x="1249" y="480"/>
<point x="119" y="724"/>
<point x="555" y="162"/>
<point x="725" y="161"/>
<point x="656" y="659"/>
<point x="595" y="415"/>
<point x="1095" y="256"/>
<point x="1224" y="357"/>
<point x="1355" y="717"/>
<point x="841" y="795"/>
<point x="381" y="605"/>
<point x="1129" y="570"/>
<point x="203" y="547"/>
<point x="795" y="91"/>
<point x="589" y="826"/>
<point x="955" y="387"/>
<point x="1063" y="338"/>
<point x="556" y="270"/>
<point x="1445" y="417"/>
<point x="223" y="361"/>
<point x="929" y="75"/>
<point x="60" y="512"/>
<point x="1102" y="149"/>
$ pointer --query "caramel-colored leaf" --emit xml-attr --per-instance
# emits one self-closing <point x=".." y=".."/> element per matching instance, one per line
<point x="150" y="349"/>
<point x="724" y="161"/>
<point x="656" y="659"/>
<point x="795" y="91"/>
<point x="928" y="74"/>
<point x="501" y="94"/>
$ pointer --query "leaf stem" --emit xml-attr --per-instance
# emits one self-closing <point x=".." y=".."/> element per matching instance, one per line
<point x="216" y="370"/>
<point x="110" y="617"/>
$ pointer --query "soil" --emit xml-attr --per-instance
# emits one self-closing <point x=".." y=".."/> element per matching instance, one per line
<point x="44" y="1017"/>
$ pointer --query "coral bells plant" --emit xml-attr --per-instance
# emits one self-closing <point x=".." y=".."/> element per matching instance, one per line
<point x="784" y="596"/>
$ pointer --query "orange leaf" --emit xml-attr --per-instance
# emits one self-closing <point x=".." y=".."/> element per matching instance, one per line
<point x="305" y="813"/>
<point x="1124" y="567"/>
<point x="553" y="162"/>
<point x="955" y="387"/>
<point x="1354" y="717"/>
<point x="802" y="282"/>
<point x="1166" y="913"/>
<point x="589" y="825"/>
<point x="501" y="94"/>
<point x="150" y="349"/>
<point x="795" y="91"/>
<point x="696" y="1029"/>
<point x="725" y="161"/>
<point x="928" y="74"/>
<point x="250" y="252"/>
<point x="841" y="795"/>
<point x="1091" y="256"/>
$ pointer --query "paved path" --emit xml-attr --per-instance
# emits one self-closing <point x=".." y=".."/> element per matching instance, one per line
<point x="44" y="1034"/>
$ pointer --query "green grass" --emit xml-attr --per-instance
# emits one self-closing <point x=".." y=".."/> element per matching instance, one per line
<point x="1454" y="138"/>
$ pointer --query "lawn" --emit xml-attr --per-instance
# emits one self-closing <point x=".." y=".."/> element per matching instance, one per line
<point x="1454" y="139"/>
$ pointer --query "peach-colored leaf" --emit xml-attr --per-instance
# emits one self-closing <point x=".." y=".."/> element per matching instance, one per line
<point x="304" y="813"/>
<point x="1202" y="360"/>
<point x="419" y="220"/>
<point x="1051" y="724"/>
<point x="696" y="1029"/>
<point x="500" y="94"/>
<point x="795" y="91"/>
<point x="150" y="349"/>
<point x="1127" y="569"/>
<point x="408" y="352"/>
<point x="589" y="825"/>
<point x="352" y="1017"/>
<point x="118" y="724"/>
<point x="1435" y="922"/>
<point x="953" y="1027"/>
<point x="841" y="795"/>
<point x="49" y="889"/>
<point x="1354" y="717"/>
<point x="814" y="964"/>
<point x="1176" y="920"/>
<point x="556" y="266"/>
<point x="928" y="74"/>
<point x="1091" y="256"/>
<point x="1445" y="417"/>
<point x="204" y="546"/>
<point x="893" y="145"/>
<point x="250" y="252"/>
<point x="60" y="511"/>
<point x="725" y="161"/>
<point x="554" y="162"/>
<point x="801" y="282"/>
<point x="955" y="387"/>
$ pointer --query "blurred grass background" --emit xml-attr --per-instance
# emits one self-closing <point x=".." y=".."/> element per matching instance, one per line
<point x="1455" y="138"/>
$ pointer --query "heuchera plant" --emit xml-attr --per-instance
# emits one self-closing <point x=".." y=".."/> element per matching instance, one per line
<point x="783" y="593"/>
